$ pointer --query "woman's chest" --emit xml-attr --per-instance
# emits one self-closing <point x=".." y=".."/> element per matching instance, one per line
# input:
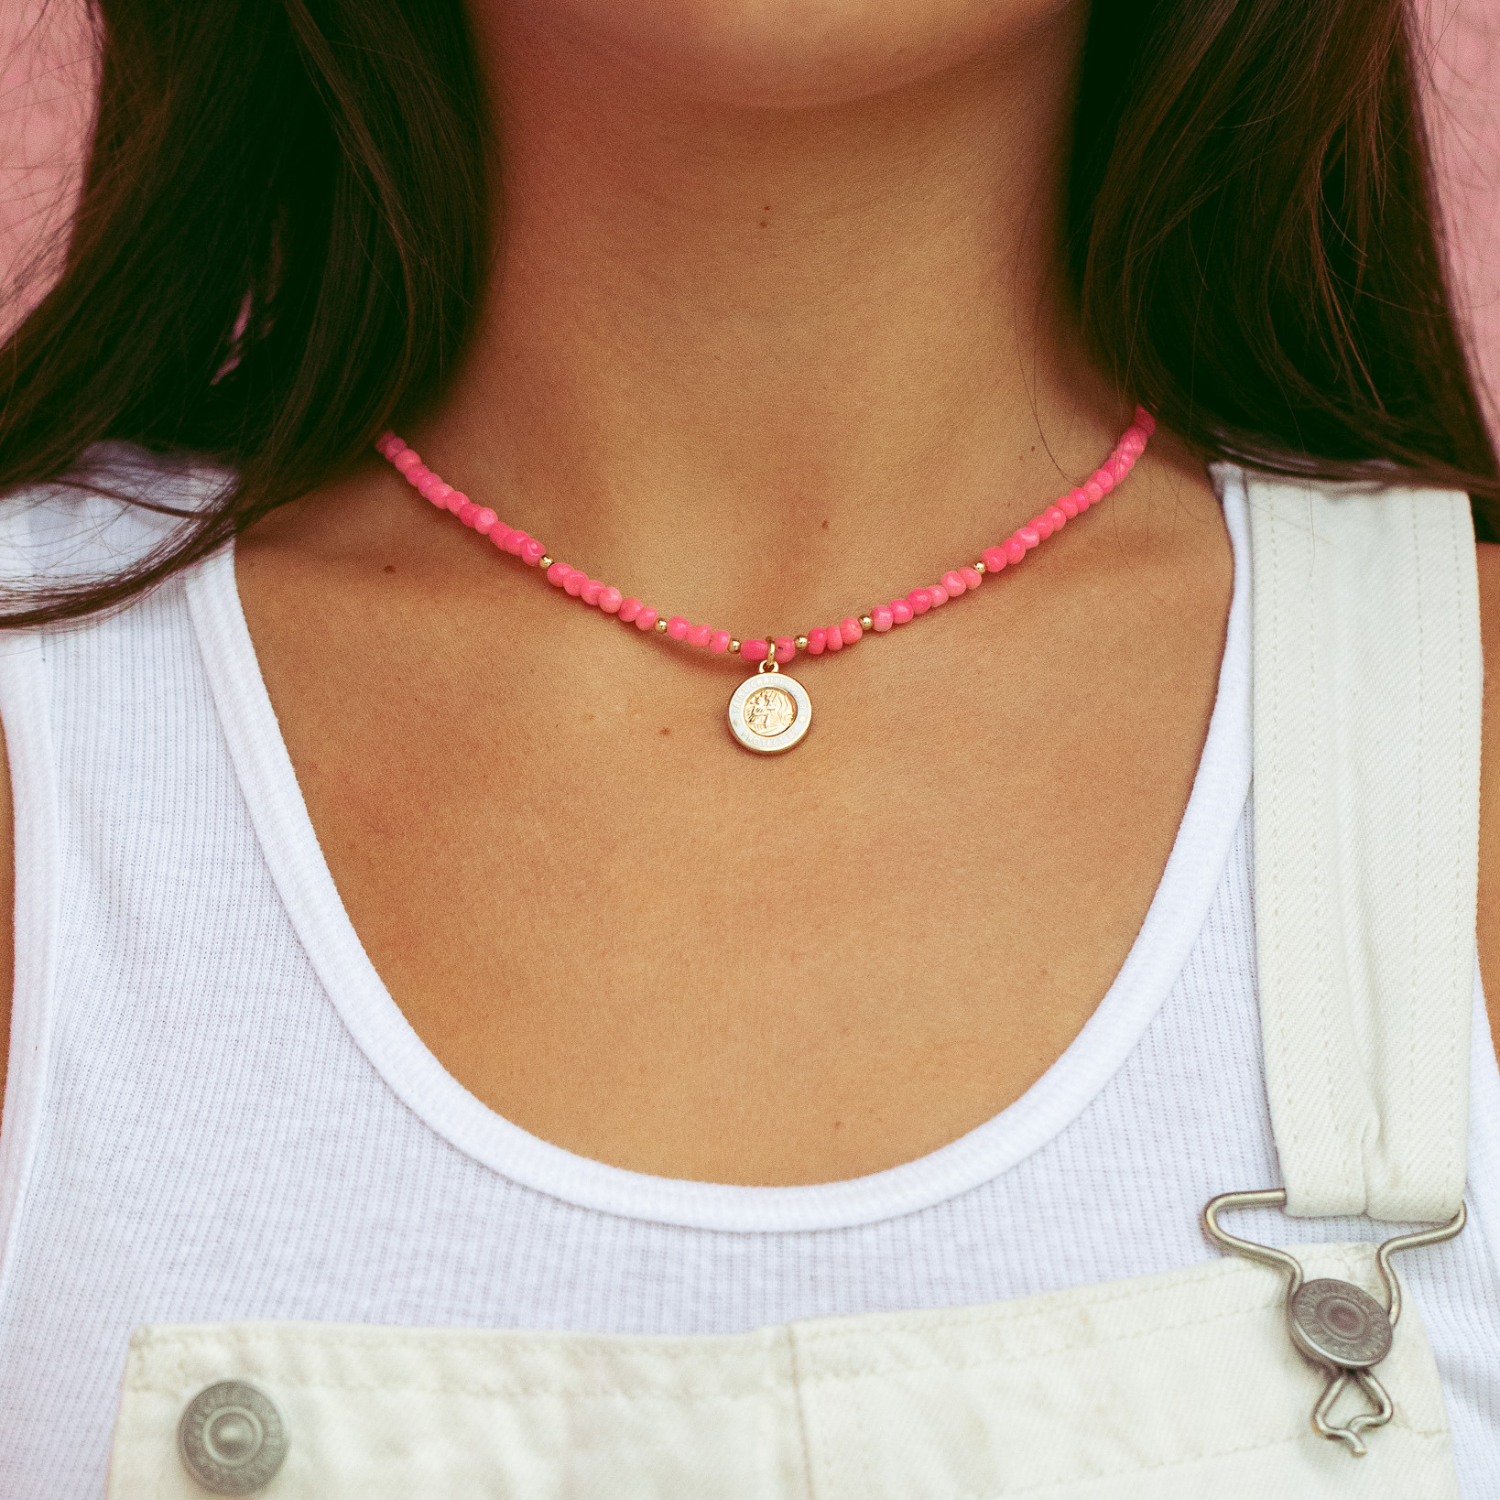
<point x="636" y="940"/>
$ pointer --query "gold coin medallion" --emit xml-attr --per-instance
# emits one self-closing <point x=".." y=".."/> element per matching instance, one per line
<point x="769" y="712"/>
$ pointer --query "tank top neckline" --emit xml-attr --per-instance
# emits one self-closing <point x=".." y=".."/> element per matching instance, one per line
<point x="1173" y="921"/>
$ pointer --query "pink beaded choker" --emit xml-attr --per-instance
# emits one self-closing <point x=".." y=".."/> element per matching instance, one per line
<point x="770" y="711"/>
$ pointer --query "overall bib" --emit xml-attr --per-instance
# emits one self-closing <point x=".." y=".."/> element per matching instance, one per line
<point x="1367" y="696"/>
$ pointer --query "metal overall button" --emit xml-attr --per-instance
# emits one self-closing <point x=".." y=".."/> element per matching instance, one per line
<point x="1334" y="1324"/>
<point x="232" y="1438"/>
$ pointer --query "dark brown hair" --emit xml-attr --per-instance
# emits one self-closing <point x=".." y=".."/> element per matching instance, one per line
<point x="252" y="274"/>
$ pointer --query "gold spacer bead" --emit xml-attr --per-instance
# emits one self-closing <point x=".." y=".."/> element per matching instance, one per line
<point x="734" y="648"/>
<point x="660" y="627"/>
<point x="866" y="623"/>
<point x="801" y="643"/>
<point x="979" y="567"/>
<point x="545" y="563"/>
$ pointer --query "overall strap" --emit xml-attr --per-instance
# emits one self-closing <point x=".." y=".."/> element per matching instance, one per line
<point x="1367" y="697"/>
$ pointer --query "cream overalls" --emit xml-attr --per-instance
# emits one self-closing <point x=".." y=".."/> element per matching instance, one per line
<point x="1182" y="1386"/>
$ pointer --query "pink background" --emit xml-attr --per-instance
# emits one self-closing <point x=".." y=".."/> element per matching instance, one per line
<point x="45" y="75"/>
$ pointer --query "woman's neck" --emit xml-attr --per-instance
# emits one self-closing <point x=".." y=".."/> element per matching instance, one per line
<point x="792" y="343"/>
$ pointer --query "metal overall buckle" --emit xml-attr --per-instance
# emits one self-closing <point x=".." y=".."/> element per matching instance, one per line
<point x="1334" y="1324"/>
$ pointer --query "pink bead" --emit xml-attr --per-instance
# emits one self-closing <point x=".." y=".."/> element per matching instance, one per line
<point x="881" y="618"/>
<point x="972" y="577"/>
<point x="993" y="559"/>
<point x="610" y="600"/>
<point x="418" y="475"/>
<point x="591" y="591"/>
<point x="629" y="609"/>
<point x="468" y="513"/>
<point x="558" y="573"/>
<point x="439" y="493"/>
<point x="920" y="601"/>
<point x="1080" y="498"/>
<point x="1145" y="421"/>
<point x="532" y="552"/>
<point x="786" y="648"/>
<point x="1094" y="491"/>
<point x="384" y="438"/>
<point x="427" y="483"/>
<point x="850" y="630"/>
<point x="484" y="522"/>
<point x="816" y="641"/>
<point x="754" y="650"/>
<point x="1104" y="479"/>
<point x="1028" y="536"/>
<point x="718" y="642"/>
<point x="407" y="460"/>
<point x="1015" y="550"/>
<point x="937" y="594"/>
<point x="1057" y="515"/>
<point x="901" y="612"/>
<point x="1067" y="505"/>
<point x="514" y="542"/>
<point x="677" y="628"/>
<point x="1117" y="469"/>
<point x="833" y="639"/>
<point x="953" y="583"/>
<point x="574" y="582"/>
<point x="498" y="533"/>
<point x="698" y="635"/>
<point x="647" y="619"/>
<point x="1041" y="525"/>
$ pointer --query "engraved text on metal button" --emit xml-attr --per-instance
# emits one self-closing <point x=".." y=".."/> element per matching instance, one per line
<point x="1341" y="1325"/>
<point x="232" y="1438"/>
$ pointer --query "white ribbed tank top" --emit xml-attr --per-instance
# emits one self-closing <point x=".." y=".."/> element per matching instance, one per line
<point x="215" y="1110"/>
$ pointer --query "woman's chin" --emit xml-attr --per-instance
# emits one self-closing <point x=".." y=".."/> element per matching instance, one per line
<point x="791" y="54"/>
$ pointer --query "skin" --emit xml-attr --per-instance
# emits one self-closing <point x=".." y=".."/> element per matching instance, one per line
<point x="774" y="332"/>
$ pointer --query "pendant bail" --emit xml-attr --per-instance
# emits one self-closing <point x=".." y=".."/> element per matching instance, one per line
<point x="770" y="664"/>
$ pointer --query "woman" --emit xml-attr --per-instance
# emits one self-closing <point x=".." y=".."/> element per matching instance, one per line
<point x="764" y="313"/>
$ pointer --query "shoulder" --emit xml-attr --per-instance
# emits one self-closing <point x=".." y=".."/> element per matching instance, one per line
<point x="117" y="507"/>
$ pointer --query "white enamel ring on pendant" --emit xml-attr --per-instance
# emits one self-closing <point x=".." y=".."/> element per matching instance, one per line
<point x="770" y="712"/>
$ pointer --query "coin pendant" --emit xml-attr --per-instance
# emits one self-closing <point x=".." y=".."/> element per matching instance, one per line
<point x="770" y="712"/>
